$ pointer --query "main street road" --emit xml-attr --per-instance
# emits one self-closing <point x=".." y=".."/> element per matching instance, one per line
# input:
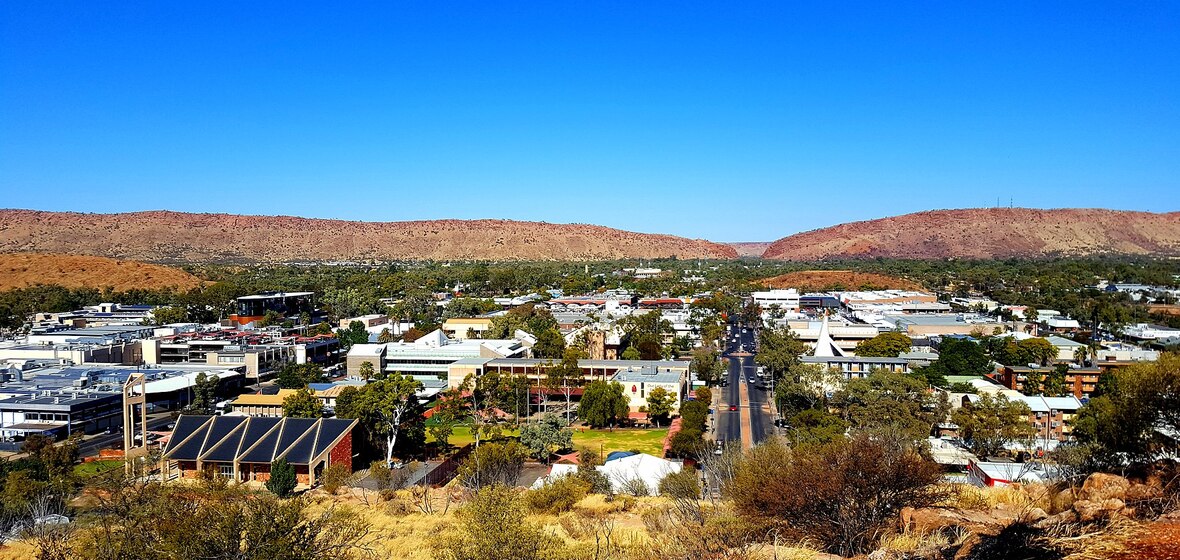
<point x="744" y="413"/>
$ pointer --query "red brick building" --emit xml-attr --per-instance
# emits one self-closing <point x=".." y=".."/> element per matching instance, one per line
<point x="241" y="448"/>
<point x="1080" y="382"/>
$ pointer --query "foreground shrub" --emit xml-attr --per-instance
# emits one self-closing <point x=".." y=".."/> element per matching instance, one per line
<point x="843" y="494"/>
<point x="558" y="496"/>
<point x="335" y="477"/>
<point x="493" y="464"/>
<point x="493" y="525"/>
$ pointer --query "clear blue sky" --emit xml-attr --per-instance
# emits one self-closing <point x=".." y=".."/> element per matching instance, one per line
<point x="704" y="120"/>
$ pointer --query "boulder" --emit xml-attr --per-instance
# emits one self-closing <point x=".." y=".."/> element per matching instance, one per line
<point x="1103" y="486"/>
<point x="1140" y="492"/>
<point x="1091" y="510"/>
<point x="1035" y="514"/>
<point x="1064" y="518"/>
<point x="967" y="547"/>
<point x="930" y="520"/>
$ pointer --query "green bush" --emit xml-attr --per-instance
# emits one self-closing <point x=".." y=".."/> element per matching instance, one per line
<point x="335" y="477"/>
<point x="685" y="485"/>
<point x="282" y="479"/>
<point x="558" y="496"/>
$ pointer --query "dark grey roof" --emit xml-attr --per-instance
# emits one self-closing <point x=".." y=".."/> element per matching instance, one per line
<point x="253" y="439"/>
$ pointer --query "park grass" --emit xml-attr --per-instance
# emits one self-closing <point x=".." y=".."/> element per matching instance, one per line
<point x="87" y="470"/>
<point x="643" y="441"/>
<point x="605" y="441"/>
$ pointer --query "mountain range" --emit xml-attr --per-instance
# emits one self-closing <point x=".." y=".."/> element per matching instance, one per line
<point x="971" y="233"/>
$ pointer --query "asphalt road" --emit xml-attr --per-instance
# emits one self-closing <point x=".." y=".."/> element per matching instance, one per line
<point x="743" y="393"/>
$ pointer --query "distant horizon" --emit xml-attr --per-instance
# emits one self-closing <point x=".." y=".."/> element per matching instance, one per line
<point x="692" y="119"/>
<point x="720" y="241"/>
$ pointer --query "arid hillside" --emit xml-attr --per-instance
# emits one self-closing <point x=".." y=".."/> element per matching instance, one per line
<point x="178" y="236"/>
<point x="74" y="271"/>
<point x="750" y="248"/>
<point x="989" y="233"/>
<point x="823" y="280"/>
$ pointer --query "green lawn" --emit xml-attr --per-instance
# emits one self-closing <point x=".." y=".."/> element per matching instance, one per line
<point x="85" y="470"/>
<point x="645" y="441"/>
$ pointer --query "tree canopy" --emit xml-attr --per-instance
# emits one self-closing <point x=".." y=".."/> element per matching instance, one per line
<point x="302" y="404"/>
<point x="884" y="345"/>
<point x="603" y="404"/>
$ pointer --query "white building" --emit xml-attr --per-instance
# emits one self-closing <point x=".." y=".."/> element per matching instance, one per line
<point x="787" y="300"/>
<point x="430" y="355"/>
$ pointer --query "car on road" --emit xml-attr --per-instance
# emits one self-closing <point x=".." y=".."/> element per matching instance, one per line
<point x="733" y="408"/>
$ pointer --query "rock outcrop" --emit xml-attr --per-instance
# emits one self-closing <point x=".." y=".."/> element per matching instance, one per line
<point x="178" y="236"/>
<point x="989" y="233"/>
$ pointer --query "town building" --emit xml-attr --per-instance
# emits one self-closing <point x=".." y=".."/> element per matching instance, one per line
<point x="1052" y="419"/>
<point x="258" y="404"/>
<point x="787" y="300"/>
<point x="242" y="448"/>
<point x="250" y="310"/>
<point x="1080" y="382"/>
<point x="935" y="324"/>
<point x="261" y="352"/>
<point x="462" y="328"/>
<point x="638" y="383"/>
<point x="431" y="355"/>
<point x="57" y="399"/>
<point x="101" y="315"/>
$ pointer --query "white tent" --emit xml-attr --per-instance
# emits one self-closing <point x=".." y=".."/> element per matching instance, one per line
<point x="648" y="469"/>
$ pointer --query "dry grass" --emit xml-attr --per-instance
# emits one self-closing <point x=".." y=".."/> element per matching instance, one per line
<point x="20" y="270"/>
<point x="818" y="280"/>
<point x="17" y="551"/>
<point x="968" y="497"/>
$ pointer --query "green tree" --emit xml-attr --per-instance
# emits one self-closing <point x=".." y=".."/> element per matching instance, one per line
<point x="356" y="333"/>
<point x="302" y="404"/>
<point x="365" y="371"/>
<point x="385" y="337"/>
<point x="462" y="307"/>
<point x="1128" y="423"/>
<point x="889" y="402"/>
<point x="812" y="426"/>
<point x="603" y="404"/>
<point x="807" y="386"/>
<point x="347" y="302"/>
<point x="645" y="332"/>
<point x="546" y="436"/>
<point x="659" y="405"/>
<point x="295" y="376"/>
<point x="884" y="345"/>
<point x="550" y="344"/>
<point x="1028" y="351"/>
<point x="988" y="424"/>
<point x="778" y="351"/>
<point x="204" y="393"/>
<point x="631" y="353"/>
<point x="707" y="366"/>
<point x="282" y="478"/>
<point x="960" y="356"/>
<point x="451" y="409"/>
<point x="169" y="314"/>
<point x="386" y="407"/>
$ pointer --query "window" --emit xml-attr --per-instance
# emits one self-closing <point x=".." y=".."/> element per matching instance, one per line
<point x="226" y="471"/>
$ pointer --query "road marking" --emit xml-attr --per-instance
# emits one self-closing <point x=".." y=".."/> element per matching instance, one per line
<point x="747" y="431"/>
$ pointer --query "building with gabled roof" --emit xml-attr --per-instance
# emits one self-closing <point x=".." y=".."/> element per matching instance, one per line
<point x="241" y="448"/>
